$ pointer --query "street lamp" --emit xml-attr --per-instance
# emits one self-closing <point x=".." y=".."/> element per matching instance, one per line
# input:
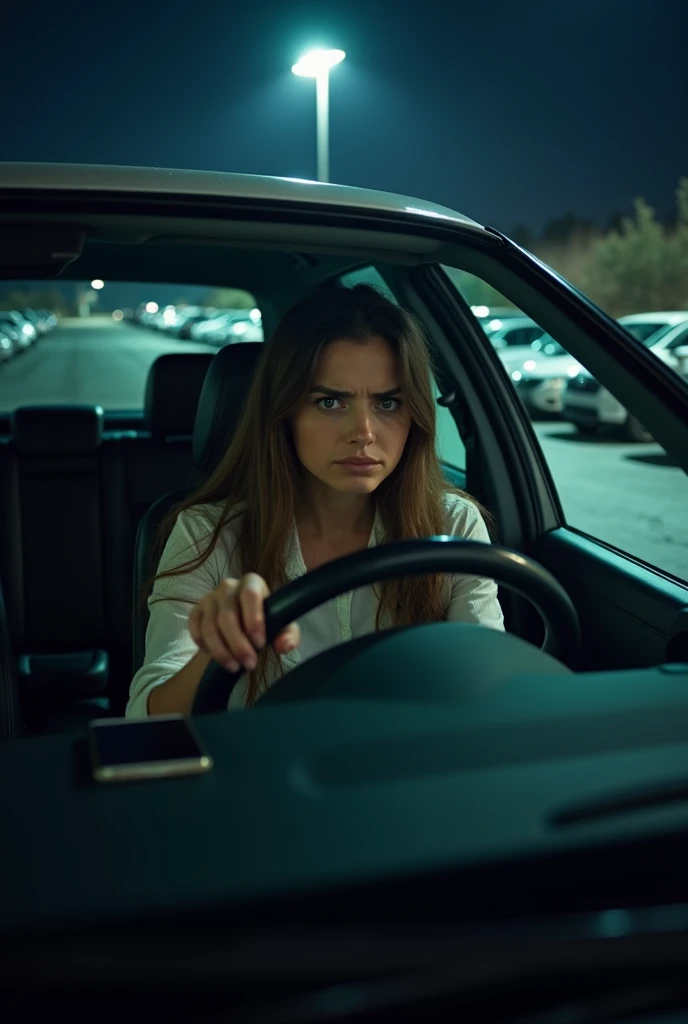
<point x="317" y="64"/>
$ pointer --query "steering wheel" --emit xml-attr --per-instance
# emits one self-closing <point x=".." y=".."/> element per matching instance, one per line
<point x="408" y="558"/>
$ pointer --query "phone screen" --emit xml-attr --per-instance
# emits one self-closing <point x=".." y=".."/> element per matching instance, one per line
<point x="121" y="747"/>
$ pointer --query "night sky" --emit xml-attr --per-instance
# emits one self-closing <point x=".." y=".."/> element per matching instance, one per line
<point x="513" y="113"/>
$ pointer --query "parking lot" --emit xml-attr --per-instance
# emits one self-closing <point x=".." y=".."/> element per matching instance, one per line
<point x="629" y="495"/>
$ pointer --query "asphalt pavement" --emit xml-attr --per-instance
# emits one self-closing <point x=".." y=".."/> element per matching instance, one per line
<point x="629" y="495"/>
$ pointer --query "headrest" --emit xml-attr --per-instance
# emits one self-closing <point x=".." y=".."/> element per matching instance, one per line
<point x="172" y="392"/>
<point x="224" y="392"/>
<point x="57" y="429"/>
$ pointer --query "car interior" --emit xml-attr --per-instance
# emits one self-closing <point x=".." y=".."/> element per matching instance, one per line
<point x="582" y="744"/>
<point x="82" y="490"/>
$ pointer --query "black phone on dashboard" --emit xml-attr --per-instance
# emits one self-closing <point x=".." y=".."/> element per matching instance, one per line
<point x="125" y="750"/>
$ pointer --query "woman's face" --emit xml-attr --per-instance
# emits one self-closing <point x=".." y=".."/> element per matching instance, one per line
<point x="355" y="410"/>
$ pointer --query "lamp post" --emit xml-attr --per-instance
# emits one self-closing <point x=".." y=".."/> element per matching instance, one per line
<point x="317" y="64"/>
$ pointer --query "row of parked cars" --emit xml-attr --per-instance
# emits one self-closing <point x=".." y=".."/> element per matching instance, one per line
<point x="211" y="326"/>
<point x="550" y="381"/>
<point x="19" y="329"/>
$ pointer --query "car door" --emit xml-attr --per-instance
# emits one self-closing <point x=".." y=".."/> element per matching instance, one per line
<point x="599" y="522"/>
<point x="614" y="525"/>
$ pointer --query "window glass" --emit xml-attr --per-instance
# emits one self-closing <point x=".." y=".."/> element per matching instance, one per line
<point x="94" y="342"/>
<point x="614" y="481"/>
<point x="450" y="447"/>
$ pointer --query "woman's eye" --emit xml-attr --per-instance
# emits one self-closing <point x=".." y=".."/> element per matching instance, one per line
<point x="386" y="404"/>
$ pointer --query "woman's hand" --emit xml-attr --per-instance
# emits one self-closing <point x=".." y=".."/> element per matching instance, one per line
<point x="229" y="625"/>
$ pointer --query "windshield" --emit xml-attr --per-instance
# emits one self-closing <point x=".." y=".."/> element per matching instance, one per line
<point x="649" y="333"/>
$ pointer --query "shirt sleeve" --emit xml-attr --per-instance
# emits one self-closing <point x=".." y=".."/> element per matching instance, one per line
<point x="473" y="598"/>
<point x="169" y="646"/>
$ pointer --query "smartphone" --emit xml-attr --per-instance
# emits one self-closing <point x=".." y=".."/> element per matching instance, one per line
<point x="124" y="750"/>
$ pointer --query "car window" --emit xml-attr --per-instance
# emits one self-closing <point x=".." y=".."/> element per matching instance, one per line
<point x="450" y="447"/>
<point x="107" y="335"/>
<point x="521" y="335"/>
<point x="648" y="331"/>
<point x="679" y="341"/>
<point x="615" y="482"/>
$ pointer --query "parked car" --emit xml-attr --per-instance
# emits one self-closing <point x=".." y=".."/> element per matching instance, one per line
<point x="493" y="318"/>
<point x="48" y="318"/>
<point x="26" y="331"/>
<point x="226" y="326"/>
<point x="541" y="378"/>
<point x="645" y="326"/>
<point x="186" y="318"/>
<point x="591" y="407"/>
<point x="14" y="335"/>
<point x="518" y="339"/>
<point x="234" y="330"/>
<point x="32" y="317"/>
<point x="8" y="343"/>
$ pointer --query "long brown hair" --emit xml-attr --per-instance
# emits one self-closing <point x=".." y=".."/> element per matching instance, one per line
<point x="260" y="470"/>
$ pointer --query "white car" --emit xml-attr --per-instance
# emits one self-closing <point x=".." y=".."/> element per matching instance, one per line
<point x="231" y="326"/>
<point x="541" y="378"/>
<point x="26" y="332"/>
<point x="590" y="406"/>
<point x="645" y="326"/>
<point x="515" y="340"/>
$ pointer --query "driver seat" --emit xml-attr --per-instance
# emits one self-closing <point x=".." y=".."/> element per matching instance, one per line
<point x="224" y="391"/>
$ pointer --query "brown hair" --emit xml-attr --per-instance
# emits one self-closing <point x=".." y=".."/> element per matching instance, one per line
<point x="260" y="469"/>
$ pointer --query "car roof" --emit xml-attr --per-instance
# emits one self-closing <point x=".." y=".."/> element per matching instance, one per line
<point x="675" y="316"/>
<point x="163" y="180"/>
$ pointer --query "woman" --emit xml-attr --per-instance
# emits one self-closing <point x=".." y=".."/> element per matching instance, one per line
<point x="335" y="452"/>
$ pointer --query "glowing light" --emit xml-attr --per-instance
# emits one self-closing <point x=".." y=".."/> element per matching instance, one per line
<point x="530" y="365"/>
<point x="517" y="375"/>
<point x="152" y="307"/>
<point x="317" y="62"/>
<point x="255" y="315"/>
<point x="480" y="311"/>
<point x="239" y="328"/>
<point x="494" y="325"/>
<point x="97" y="284"/>
<point x="169" y="316"/>
<point x="118" y="315"/>
<point x="574" y="370"/>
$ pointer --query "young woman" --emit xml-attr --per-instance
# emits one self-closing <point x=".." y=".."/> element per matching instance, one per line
<point x="335" y="452"/>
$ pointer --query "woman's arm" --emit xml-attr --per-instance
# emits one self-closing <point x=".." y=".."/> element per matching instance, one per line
<point x="176" y="694"/>
<point x="171" y="655"/>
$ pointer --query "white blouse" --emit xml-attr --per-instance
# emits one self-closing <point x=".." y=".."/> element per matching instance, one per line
<point x="169" y="646"/>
